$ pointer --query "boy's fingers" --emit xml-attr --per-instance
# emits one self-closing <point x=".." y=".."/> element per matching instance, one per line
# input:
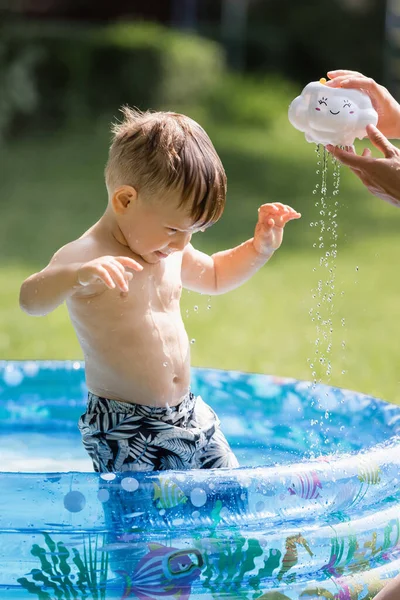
<point x="116" y="276"/>
<point x="117" y="265"/>
<point x="265" y="208"/>
<point x="276" y="207"/>
<point x="129" y="262"/>
<point x="104" y="275"/>
<point x="281" y="220"/>
<point x="290" y="217"/>
<point x="380" y="141"/>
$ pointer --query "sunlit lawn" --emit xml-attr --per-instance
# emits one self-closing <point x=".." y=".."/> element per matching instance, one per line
<point x="51" y="190"/>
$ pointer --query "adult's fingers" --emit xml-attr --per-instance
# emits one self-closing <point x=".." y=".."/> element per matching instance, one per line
<point x="349" y="159"/>
<point x="381" y="142"/>
<point x="366" y="152"/>
<point x="342" y="73"/>
<point x="359" y="82"/>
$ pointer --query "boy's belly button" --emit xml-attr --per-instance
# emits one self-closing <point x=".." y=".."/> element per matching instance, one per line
<point x="175" y="379"/>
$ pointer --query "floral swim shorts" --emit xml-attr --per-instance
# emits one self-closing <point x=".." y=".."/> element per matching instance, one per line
<point x="120" y="436"/>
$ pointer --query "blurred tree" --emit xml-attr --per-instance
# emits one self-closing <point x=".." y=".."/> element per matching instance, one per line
<point x="87" y="10"/>
<point x="392" y="63"/>
<point x="305" y="39"/>
<point x="18" y="90"/>
<point x="184" y="14"/>
<point x="233" y="31"/>
<point x="299" y="39"/>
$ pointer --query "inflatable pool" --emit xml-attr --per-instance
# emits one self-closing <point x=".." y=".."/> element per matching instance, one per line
<point x="313" y="512"/>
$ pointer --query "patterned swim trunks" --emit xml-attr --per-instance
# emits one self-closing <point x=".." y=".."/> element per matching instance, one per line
<point x="120" y="436"/>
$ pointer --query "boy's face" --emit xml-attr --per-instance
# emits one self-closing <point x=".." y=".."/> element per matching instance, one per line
<point x="156" y="228"/>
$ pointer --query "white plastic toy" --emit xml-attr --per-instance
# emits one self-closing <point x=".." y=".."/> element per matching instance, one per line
<point x="330" y="115"/>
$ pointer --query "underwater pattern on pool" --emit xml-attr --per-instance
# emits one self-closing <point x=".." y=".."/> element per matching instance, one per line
<point x="312" y="513"/>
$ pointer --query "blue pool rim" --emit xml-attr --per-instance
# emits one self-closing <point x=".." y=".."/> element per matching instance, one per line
<point x="379" y="499"/>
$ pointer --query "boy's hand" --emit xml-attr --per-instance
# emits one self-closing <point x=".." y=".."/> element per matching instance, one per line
<point x="272" y="218"/>
<point x="111" y="270"/>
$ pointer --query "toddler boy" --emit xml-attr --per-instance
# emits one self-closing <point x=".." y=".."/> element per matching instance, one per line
<point x="122" y="282"/>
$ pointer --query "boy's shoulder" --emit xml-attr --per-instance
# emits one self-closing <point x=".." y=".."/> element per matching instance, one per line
<point x="83" y="249"/>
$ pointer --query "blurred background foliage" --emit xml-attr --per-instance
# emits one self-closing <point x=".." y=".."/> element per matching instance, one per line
<point x="66" y="66"/>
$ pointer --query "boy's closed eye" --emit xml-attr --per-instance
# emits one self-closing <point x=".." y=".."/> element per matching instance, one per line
<point x="172" y="230"/>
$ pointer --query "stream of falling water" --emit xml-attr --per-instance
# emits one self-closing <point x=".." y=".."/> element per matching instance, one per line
<point x="323" y="293"/>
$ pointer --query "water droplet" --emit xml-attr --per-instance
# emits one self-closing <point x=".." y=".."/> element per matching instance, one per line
<point x="165" y="364"/>
<point x="195" y="308"/>
<point x="192" y="341"/>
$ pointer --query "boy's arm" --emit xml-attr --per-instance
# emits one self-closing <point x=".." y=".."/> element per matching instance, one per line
<point x="221" y="272"/>
<point x="71" y="272"/>
<point x="227" y="270"/>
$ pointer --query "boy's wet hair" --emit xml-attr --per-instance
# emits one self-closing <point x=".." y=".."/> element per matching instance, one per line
<point x="162" y="151"/>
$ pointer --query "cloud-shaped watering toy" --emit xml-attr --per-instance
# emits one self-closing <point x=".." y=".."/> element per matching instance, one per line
<point x="332" y="115"/>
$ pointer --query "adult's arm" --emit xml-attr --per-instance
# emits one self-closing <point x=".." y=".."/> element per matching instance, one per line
<point x="391" y="591"/>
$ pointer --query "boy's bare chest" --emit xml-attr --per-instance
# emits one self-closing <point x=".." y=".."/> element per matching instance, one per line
<point x="157" y="288"/>
<point x="162" y="291"/>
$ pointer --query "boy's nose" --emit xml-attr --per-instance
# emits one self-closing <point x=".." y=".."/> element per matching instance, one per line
<point x="180" y="240"/>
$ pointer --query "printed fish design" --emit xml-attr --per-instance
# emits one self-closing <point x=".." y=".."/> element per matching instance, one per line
<point x="163" y="574"/>
<point x="369" y="473"/>
<point x="168" y="494"/>
<point x="273" y="596"/>
<point x="306" y="486"/>
<point x="344" y="592"/>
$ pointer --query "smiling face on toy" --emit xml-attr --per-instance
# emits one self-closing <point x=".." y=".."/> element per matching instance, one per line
<point x="332" y="115"/>
<point x="332" y="112"/>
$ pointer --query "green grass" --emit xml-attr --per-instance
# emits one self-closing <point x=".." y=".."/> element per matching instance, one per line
<point x="52" y="190"/>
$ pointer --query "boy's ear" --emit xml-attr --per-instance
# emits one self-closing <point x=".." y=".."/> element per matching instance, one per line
<point x="123" y="198"/>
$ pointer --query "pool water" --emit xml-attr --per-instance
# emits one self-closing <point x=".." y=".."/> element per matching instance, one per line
<point x="315" y="504"/>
